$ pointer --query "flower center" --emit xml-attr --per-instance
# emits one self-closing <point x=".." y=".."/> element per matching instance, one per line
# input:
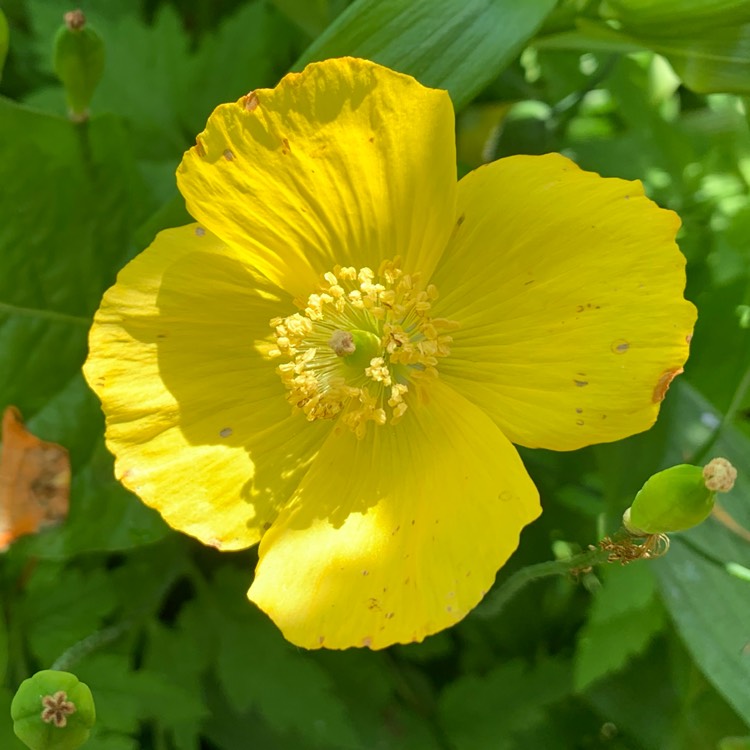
<point x="360" y="346"/>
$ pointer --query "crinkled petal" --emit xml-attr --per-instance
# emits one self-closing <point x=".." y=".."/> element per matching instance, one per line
<point x="399" y="534"/>
<point x="345" y="163"/>
<point x="196" y="414"/>
<point x="568" y="288"/>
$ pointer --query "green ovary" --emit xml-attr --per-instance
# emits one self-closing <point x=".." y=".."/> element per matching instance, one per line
<point x="367" y="346"/>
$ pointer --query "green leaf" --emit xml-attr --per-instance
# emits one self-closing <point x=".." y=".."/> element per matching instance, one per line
<point x="711" y="610"/>
<point x="709" y="605"/>
<point x="76" y="195"/>
<point x="678" y="17"/>
<point x="78" y="199"/>
<point x="714" y="61"/>
<point x="372" y="686"/>
<point x="312" y="16"/>
<point x="125" y="697"/>
<point x="481" y="713"/>
<point x="708" y="61"/>
<point x="257" y="668"/>
<point x="624" y="618"/>
<point x="61" y="606"/>
<point x="459" y="45"/>
<point x="663" y="702"/>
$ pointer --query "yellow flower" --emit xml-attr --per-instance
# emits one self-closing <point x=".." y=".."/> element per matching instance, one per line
<point x="417" y="326"/>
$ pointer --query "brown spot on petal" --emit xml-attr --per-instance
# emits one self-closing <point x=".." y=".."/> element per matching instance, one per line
<point x="367" y="641"/>
<point x="662" y="385"/>
<point x="620" y="346"/>
<point x="225" y="432"/>
<point x="251" y="102"/>
<point x="228" y="155"/>
<point x="581" y="383"/>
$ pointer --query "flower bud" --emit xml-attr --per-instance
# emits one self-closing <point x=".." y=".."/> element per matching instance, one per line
<point x="53" y="711"/>
<point x="4" y="39"/>
<point x="78" y="61"/>
<point x="678" y="498"/>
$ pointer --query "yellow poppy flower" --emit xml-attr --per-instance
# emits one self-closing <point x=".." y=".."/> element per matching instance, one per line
<point x="335" y="359"/>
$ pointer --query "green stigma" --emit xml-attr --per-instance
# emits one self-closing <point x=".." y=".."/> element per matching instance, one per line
<point x="357" y="348"/>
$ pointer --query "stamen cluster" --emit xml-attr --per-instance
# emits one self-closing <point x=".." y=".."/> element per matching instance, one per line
<point x="359" y="344"/>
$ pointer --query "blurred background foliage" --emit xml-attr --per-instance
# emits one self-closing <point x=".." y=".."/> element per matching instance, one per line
<point x="653" y="656"/>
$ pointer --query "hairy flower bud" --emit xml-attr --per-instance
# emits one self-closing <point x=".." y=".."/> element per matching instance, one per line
<point x="53" y="711"/>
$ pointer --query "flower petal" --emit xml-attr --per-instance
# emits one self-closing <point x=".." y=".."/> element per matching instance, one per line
<point x="196" y="414"/>
<point x="345" y="163"/>
<point x="568" y="289"/>
<point x="398" y="535"/>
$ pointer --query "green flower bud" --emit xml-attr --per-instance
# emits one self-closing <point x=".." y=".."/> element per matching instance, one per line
<point x="53" y="711"/>
<point x="78" y="61"/>
<point x="4" y="37"/>
<point x="678" y="498"/>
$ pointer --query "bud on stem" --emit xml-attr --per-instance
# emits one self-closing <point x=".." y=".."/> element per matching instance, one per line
<point x="78" y="61"/>
<point x="678" y="498"/>
<point x="53" y="711"/>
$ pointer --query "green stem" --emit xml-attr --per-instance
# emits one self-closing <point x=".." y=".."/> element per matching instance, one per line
<point x="78" y="651"/>
<point x="496" y="600"/>
<point x="105" y="636"/>
<point x="734" y="406"/>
